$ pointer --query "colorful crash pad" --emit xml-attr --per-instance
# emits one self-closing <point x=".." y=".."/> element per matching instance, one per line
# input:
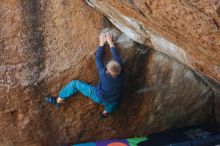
<point x="200" y="135"/>
<point x="115" y="142"/>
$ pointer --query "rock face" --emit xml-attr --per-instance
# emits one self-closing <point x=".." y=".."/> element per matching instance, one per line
<point x="187" y="30"/>
<point x="45" y="44"/>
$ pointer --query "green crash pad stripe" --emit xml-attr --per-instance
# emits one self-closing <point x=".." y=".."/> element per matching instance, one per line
<point x="135" y="141"/>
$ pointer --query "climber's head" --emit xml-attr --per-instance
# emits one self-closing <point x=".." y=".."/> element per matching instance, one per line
<point x="113" y="68"/>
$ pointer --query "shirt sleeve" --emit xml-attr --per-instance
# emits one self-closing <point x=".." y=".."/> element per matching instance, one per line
<point x="115" y="55"/>
<point x="99" y="63"/>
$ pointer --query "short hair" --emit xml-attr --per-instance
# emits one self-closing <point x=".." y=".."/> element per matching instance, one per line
<point x="114" y="68"/>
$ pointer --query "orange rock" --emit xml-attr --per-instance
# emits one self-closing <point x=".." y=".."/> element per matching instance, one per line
<point x="45" y="44"/>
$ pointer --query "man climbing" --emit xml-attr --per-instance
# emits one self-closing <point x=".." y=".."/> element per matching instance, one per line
<point x="109" y="87"/>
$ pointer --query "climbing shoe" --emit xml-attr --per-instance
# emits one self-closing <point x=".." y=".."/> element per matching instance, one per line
<point x="103" y="116"/>
<point x="51" y="100"/>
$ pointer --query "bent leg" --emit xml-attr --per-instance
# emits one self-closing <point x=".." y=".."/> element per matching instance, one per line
<point x="68" y="90"/>
<point x="75" y="86"/>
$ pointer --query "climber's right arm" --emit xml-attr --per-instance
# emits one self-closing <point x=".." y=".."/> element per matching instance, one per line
<point x="99" y="52"/>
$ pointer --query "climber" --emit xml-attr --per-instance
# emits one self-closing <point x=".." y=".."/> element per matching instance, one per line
<point x="109" y="87"/>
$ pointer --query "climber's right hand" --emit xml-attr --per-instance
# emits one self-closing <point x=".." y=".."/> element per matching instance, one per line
<point x="102" y="39"/>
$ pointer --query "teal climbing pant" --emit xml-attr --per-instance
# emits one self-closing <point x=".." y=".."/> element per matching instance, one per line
<point x="87" y="90"/>
<point x="79" y="86"/>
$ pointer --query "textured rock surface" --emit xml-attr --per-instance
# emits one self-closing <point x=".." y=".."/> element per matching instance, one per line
<point x="187" y="30"/>
<point x="44" y="44"/>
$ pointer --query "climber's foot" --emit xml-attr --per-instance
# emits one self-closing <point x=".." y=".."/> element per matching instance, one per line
<point x="103" y="115"/>
<point x="51" y="100"/>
